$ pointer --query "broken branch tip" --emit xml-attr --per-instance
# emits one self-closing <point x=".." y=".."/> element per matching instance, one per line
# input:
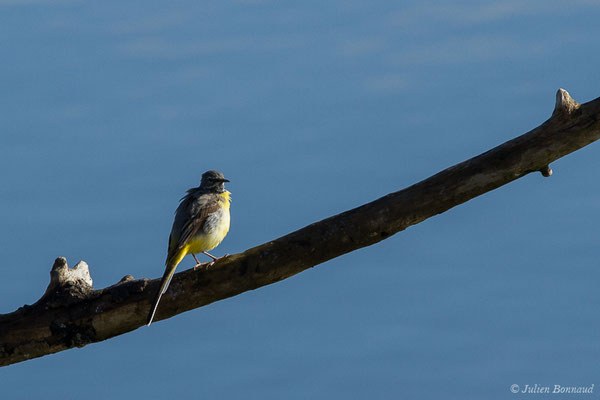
<point x="59" y="263"/>
<point x="61" y="274"/>
<point x="564" y="102"/>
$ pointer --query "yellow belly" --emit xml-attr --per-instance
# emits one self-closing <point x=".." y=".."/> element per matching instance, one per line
<point x="205" y="242"/>
<point x="219" y="228"/>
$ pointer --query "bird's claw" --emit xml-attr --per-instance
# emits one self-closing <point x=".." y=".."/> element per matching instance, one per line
<point x="204" y="264"/>
<point x="209" y="264"/>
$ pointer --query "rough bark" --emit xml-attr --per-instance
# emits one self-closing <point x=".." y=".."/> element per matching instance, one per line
<point x="72" y="314"/>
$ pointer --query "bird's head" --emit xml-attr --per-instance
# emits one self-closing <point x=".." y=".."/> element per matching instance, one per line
<point x="213" y="181"/>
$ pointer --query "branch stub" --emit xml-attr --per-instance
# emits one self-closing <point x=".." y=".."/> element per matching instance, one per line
<point x="65" y="279"/>
<point x="564" y="103"/>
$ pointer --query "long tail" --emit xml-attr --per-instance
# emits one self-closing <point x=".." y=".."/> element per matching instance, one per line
<point x="166" y="280"/>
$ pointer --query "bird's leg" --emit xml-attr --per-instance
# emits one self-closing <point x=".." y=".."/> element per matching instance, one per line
<point x="208" y="264"/>
<point x="211" y="256"/>
<point x="198" y="263"/>
<point x="205" y="264"/>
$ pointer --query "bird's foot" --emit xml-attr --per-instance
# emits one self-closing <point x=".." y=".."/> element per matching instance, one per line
<point x="204" y="265"/>
<point x="208" y="264"/>
<point x="217" y="259"/>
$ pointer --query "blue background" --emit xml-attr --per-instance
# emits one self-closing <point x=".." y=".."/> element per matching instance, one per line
<point x="111" y="110"/>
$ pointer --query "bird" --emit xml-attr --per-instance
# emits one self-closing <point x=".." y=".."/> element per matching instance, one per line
<point x="201" y="223"/>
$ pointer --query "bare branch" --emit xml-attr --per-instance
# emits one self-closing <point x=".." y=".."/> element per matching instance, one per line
<point x="72" y="314"/>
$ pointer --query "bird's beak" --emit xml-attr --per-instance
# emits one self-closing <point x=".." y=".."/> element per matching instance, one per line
<point x="224" y="180"/>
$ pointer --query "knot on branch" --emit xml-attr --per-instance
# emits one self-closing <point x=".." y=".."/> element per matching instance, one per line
<point x="68" y="284"/>
<point x="564" y="103"/>
<point x="126" y="278"/>
<point x="546" y="171"/>
<point x="127" y="286"/>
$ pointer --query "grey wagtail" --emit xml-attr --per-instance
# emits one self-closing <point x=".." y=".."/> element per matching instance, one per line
<point x="201" y="223"/>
